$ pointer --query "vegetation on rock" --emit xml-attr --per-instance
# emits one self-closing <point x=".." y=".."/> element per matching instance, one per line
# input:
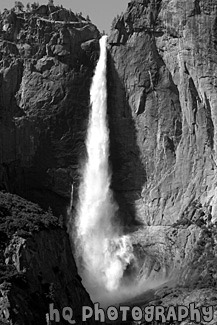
<point x="19" y="215"/>
<point x="21" y="218"/>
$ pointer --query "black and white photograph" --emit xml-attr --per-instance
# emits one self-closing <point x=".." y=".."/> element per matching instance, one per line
<point x="108" y="162"/>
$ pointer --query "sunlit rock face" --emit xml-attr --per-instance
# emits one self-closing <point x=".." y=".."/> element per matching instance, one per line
<point x="162" y="107"/>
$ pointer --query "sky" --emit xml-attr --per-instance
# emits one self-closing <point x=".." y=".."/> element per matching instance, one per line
<point x="101" y="12"/>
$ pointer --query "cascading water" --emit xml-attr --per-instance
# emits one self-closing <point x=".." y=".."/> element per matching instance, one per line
<point x="103" y="251"/>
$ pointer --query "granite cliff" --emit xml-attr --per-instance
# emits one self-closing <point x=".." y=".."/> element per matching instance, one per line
<point x="47" y="55"/>
<point x="162" y="102"/>
<point x="161" y="107"/>
<point x="47" y="62"/>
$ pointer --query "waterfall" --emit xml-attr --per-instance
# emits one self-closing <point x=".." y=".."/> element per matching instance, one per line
<point x="104" y="253"/>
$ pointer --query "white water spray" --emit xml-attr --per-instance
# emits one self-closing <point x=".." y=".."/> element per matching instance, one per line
<point x="105" y="253"/>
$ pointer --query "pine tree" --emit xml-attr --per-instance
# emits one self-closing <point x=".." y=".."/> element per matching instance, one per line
<point x="28" y="7"/>
<point x="51" y="3"/>
<point x="19" y="5"/>
<point x="34" y="5"/>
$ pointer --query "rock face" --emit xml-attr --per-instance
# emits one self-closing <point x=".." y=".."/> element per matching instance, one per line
<point x="46" y="70"/>
<point x="36" y="267"/>
<point x="162" y="100"/>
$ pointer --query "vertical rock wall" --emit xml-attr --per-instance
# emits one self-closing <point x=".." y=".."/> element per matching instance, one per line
<point x="162" y="106"/>
<point x="46" y="67"/>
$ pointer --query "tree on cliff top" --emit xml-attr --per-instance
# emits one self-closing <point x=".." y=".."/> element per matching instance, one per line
<point x="50" y="2"/>
<point x="88" y="19"/>
<point x="19" y="5"/>
<point x="28" y="7"/>
<point x="34" y="5"/>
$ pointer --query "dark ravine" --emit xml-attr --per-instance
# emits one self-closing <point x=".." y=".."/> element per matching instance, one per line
<point x="161" y="106"/>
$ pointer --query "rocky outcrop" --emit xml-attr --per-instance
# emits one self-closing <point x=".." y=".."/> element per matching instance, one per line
<point x="169" y="297"/>
<point x="162" y="97"/>
<point x="46" y="70"/>
<point x="36" y="267"/>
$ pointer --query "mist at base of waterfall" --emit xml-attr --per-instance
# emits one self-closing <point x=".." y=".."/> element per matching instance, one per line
<point x="130" y="290"/>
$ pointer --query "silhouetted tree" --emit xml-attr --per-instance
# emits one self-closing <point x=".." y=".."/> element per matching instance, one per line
<point x="28" y="6"/>
<point x="34" y="5"/>
<point x="19" y="5"/>
<point x="88" y="19"/>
